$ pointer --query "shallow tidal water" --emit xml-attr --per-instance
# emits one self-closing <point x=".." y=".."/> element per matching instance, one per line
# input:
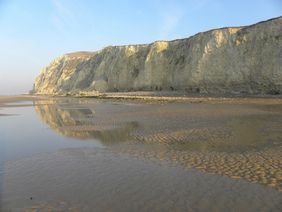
<point x="99" y="155"/>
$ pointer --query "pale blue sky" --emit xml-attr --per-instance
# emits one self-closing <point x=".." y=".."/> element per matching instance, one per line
<point x="33" y="32"/>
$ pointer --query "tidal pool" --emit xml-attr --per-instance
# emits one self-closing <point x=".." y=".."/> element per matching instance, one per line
<point x="68" y="154"/>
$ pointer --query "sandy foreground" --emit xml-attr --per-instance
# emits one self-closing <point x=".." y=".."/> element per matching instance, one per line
<point x="249" y="126"/>
<point x="234" y="140"/>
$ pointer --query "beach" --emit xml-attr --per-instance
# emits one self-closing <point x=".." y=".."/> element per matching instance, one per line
<point x="147" y="152"/>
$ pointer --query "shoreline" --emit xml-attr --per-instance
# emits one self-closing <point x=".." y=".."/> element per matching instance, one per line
<point x="184" y="97"/>
<point x="150" y="97"/>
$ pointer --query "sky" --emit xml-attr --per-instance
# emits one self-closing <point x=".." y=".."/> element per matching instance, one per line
<point x="34" y="32"/>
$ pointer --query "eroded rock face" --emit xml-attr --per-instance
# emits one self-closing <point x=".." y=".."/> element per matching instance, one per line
<point x="228" y="60"/>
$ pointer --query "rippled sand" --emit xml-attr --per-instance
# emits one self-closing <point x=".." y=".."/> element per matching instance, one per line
<point x="235" y="140"/>
<point x="155" y="156"/>
<point x="112" y="181"/>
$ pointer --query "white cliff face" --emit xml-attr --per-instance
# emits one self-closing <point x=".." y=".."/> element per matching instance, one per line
<point x="227" y="60"/>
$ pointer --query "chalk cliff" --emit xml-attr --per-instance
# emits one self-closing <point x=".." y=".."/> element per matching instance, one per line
<point x="228" y="60"/>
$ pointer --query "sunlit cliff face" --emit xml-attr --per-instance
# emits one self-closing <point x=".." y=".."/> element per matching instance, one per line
<point x="239" y="141"/>
<point x="234" y="60"/>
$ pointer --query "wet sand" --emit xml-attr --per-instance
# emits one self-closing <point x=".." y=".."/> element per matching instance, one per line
<point x="9" y="99"/>
<point x="218" y="154"/>
<point x="239" y="141"/>
<point x="111" y="181"/>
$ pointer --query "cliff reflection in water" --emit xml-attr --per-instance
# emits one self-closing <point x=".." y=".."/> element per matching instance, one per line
<point x="81" y="123"/>
<point x="238" y="141"/>
<point x="193" y="127"/>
